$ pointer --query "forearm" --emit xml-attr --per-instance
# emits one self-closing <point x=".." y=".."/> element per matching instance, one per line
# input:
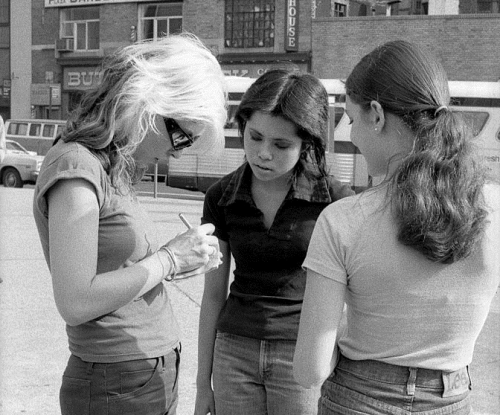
<point x="112" y="290"/>
<point x="209" y="313"/>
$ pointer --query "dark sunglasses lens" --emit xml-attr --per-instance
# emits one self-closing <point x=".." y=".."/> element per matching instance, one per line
<point x="179" y="138"/>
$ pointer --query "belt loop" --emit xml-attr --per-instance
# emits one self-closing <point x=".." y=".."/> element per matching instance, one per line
<point x="90" y="367"/>
<point x="410" y="385"/>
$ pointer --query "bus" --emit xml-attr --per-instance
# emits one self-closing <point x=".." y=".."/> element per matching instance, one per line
<point x="479" y="102"/>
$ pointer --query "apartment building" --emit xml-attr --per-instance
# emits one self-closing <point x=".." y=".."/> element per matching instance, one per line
<point x="57" y="56"/>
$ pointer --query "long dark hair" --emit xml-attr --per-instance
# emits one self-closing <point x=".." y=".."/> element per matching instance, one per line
<point x="297" y="97"/>
<point x="437" y="190"/>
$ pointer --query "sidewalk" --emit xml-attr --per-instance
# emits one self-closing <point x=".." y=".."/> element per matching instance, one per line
<point x="33" y="345"/>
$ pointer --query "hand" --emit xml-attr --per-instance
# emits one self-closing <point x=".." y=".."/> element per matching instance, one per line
<point x="196" y="250"/>
<point x="205" y="403"/>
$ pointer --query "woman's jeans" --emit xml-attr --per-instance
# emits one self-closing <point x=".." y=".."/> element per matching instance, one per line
<point x="145" y="387"/>
<point x="252" y="376"/>
<point x="376" y="388"/>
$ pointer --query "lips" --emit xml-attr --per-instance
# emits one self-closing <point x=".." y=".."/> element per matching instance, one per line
<point x="263" y="168"/>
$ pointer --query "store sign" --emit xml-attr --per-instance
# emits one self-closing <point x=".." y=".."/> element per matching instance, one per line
<point x="292" y="26"/>
<point x="80" y="78"/>
<point x="45" y="94"/>
<point x="66" y="3"/>
<point x="256" y="70"/>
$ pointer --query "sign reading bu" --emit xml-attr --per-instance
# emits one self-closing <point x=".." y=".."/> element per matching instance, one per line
<point x="80" y="78"/>
<point x="292" y="26"/>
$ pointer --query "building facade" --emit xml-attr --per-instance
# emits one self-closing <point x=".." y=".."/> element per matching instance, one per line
<point x="57" y="57"/>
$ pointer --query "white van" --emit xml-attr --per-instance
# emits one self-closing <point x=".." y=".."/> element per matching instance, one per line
<point x="34" y="135"/>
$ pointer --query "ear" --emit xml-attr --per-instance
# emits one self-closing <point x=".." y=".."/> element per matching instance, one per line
<point x="377" y="116"/>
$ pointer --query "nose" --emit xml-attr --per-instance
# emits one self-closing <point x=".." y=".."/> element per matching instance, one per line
<point x="265" y="152"/>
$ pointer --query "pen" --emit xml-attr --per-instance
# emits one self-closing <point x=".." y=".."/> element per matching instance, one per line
<point x="185" y="221"/>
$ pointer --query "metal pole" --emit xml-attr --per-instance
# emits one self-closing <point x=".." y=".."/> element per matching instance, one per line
<point x="155" y="179"/>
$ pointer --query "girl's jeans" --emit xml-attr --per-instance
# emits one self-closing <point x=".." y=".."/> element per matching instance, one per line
<point x="254" y="377"/>
<point x="376" y="388"/>
<point x="146" y="387"/>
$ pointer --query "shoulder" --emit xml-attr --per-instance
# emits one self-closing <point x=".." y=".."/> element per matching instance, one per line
<point x="71" y="156"/>
<point x="227" y="186"/>
<point x="70" y="161"/>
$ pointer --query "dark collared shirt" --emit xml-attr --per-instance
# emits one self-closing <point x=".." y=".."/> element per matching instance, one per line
<point x="266" y="295"/>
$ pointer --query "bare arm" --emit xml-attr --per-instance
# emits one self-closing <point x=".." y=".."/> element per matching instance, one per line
<point x="81" y="294"/>
<point x="315" y="353"/>
<point x="214" y="296"/>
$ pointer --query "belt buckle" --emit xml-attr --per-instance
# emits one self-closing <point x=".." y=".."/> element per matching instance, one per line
<point x="455" y="383"/>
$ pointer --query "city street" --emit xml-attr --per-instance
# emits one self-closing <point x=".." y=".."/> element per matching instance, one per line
<point x="33" y="345"/>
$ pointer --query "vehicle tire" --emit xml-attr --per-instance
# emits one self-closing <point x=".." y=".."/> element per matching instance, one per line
<point x="11" y="178"/>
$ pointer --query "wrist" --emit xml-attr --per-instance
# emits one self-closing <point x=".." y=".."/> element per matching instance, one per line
<point x="166" y="255"/>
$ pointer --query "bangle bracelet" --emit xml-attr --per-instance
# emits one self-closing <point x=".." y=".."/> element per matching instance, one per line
<point x="173" y="261"/>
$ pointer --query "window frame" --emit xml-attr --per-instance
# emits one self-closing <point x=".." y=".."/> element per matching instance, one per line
<point x="142" y="19"/>
<point x="75" y="28"/>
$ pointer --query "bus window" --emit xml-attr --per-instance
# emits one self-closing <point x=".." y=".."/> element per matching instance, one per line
<point x="60" y="129"/>
<point x="231" y="122"/>
<point x="338" y="114"/>
<point x="48" y="130"/>
<point x="35" y="130"/>
<point x="18" y="128"/>
<point x="233" y="142"/>
<point x="476" y="120"/>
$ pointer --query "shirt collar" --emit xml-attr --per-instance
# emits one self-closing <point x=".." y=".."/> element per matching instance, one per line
<point x="305" y="186"/>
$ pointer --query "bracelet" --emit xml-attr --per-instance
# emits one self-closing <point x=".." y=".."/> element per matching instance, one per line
<point x="173" y="261"/>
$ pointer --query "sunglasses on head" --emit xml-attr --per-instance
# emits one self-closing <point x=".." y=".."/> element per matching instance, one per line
<point x="179" y="138"/>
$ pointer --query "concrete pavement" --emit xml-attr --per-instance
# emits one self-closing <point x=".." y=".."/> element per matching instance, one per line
<point x="33" y="345"/>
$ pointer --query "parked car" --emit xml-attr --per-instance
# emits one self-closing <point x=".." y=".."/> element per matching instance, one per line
<point x="19" y="166"/>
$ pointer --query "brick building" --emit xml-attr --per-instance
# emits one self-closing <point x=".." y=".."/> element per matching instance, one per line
<point x="57" y="56"/>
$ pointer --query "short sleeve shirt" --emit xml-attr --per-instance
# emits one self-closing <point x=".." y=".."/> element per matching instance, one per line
<point x="266" y="295"/>
<point x="402" y="308"/>
<point x="144" y="328"/>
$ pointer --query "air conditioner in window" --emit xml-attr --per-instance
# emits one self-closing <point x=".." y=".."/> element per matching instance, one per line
<point x="65" y="45"/>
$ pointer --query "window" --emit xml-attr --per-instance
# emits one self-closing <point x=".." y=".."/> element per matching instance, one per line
<point x="488" y="6"/>
<point x="4" y="11"/>
<point x="476" y="120"/>
<point x="249" y="23"/>
<point x="18" y="128"/>
<point x="35" y="130"/>
<point x="80" y="27"/>
<point x="339" y="10"/>
<point x="48" y="130"/>
<point x="160" y="20"/>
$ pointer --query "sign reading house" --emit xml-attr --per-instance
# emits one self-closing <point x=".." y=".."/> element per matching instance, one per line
<point x="292" y="26"/>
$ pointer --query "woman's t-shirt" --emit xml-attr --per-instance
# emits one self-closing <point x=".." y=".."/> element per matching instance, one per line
<point x="402" y="308"/>
<point x="144" y="328"/>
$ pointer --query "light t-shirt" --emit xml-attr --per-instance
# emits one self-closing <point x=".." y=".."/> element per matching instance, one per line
<point x="402" y="308"/>
<point x="145" y="327"/>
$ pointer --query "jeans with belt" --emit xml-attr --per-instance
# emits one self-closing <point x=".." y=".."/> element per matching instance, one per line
<point x="145" y="387"/>
<point x="371" y="387"/>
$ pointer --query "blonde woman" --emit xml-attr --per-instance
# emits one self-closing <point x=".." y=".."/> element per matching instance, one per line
<point x="108" y="266"/>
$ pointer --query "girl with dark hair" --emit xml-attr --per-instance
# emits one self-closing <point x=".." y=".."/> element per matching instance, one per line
<point x="415" y="258"/>
<point x="264" y="213"/>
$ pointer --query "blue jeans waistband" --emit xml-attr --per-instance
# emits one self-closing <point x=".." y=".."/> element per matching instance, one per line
<point x="388" y="373"/>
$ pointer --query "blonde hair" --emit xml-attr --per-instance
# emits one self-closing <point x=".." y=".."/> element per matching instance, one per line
<point x="174" y="77"/>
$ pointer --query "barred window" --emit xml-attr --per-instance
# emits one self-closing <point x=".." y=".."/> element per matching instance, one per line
<point x="249" y="23"/>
